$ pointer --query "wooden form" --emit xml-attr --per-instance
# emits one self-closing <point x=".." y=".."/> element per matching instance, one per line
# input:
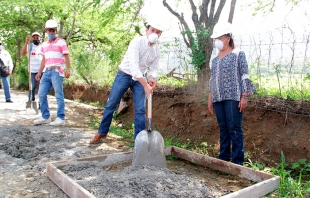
<point x="266" y="183"/>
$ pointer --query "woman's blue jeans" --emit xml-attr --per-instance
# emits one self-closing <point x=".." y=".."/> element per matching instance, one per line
<point x="231" y="135"/>
<point x="51" y="79"/>
<point x="121" y="83"/>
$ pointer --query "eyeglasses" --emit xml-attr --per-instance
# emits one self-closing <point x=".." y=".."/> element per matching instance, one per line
<point x="50" y="29"/>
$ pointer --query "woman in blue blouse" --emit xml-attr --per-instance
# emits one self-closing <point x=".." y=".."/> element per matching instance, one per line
<point x="229" y="88"/>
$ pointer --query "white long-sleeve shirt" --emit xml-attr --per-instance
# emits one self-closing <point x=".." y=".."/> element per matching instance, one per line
<point x="139" y="57"/>
<point x="6" y="58"/>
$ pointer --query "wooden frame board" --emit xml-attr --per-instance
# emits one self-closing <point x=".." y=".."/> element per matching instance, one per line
<point x="266" y="183"/>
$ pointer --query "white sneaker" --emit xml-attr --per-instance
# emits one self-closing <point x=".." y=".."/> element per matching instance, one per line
<point x="58" y="122"/>
<point x="42" y="121"/>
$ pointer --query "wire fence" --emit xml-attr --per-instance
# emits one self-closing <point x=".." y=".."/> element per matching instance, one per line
<point x="279" y="62"/>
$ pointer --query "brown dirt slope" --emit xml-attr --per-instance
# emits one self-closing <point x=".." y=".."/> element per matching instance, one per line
<point x="270" y="125"/>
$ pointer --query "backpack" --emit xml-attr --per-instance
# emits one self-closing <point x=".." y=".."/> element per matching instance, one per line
<point x="4" y="70"/>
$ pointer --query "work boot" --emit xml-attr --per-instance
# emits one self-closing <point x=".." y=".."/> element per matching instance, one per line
<point x="58" y="122"/>
<point x="97" y="138"/>
<point x="42" y="121"/>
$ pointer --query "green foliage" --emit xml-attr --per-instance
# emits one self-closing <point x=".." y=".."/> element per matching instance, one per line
<point x="171" y="81"/>
<point x="254" y="166"/>
<point x="302" y="167"/>
<point x="96" y="32"/>
<point x="172" y="141"/>
<point x="93" y="122"/>
<point x="198" y="45"/>
<point x="171" y="157"/>
<point x="290" y="187"/>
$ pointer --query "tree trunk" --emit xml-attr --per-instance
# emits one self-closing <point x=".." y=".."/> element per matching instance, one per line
<point x="204" y="74"/>
<point x="232" y="10"/>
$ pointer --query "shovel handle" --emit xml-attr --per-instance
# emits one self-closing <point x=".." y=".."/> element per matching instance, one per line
<point x="149" y="107"/>
<point x="149" y="112"/>
<point x="29" y="71"/>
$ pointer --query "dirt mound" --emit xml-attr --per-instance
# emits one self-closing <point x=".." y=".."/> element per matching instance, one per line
<point x="270" y="125"/>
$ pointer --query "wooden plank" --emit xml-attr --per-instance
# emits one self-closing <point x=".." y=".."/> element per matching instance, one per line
<point x="220" y="165"/>
<point x="70" y="187"/>
<point x="258" y="190"/>
<point x="267" y="183"/>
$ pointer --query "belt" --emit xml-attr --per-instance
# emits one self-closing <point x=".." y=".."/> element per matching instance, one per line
<point x="52" y="67"/>
<point x="124" y="72"/>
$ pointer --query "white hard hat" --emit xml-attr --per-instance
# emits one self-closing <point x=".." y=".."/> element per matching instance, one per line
<point x="51" y="24"/>
<point x="156" y="24"/>
<point x="221" y="28"/>
<point x="36" y="33"/>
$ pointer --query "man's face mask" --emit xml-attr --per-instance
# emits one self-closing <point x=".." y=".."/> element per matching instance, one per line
<point x="36" y="42"/>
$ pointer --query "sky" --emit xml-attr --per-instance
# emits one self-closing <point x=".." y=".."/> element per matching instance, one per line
<point x="243" y="21"/>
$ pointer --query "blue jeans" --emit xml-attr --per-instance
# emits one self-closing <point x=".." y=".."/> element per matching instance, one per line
<point x="121" y="83"/>
<point x="34" y="84"/>
<point x="6" y="87"/>
<point x="231" y="135"/>
<point x="51" y="79"/>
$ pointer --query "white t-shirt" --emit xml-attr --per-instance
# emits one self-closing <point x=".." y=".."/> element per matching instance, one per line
<point x="35" y="58"/>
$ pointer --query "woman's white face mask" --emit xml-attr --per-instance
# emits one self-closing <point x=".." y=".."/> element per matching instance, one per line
<point x="219" y="44"/>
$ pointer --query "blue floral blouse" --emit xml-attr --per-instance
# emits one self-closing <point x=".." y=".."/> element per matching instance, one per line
<point x="229" y="77"/>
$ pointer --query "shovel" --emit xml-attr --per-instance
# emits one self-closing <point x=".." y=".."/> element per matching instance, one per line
<point x="149" y="145"/>
<point x="30" y="105"/>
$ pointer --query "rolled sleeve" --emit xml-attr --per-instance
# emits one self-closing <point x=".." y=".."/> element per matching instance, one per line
<point x="246" y="83"/>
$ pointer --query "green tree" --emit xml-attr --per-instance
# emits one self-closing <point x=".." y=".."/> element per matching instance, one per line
<point x="205" y="15"/>
<point x="103" y="27"/>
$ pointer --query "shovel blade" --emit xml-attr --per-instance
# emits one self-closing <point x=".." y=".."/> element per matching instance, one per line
<point x="149" y="150"/>
<point x="32" y="107"/>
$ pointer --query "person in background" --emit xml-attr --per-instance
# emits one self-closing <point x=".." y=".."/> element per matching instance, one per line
<point x="35" y="58"/>
<point x="229" y="88"/>
<point x="142" y="54"/>
<point x="7" y="61"/>
<point x="56" y="62"/>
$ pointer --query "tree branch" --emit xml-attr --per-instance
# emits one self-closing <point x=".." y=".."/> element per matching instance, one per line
<point x="183" y="22"/>
<point x="232" y="11"/>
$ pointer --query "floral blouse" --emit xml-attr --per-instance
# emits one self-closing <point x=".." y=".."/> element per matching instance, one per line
<point x="229" y="77"/>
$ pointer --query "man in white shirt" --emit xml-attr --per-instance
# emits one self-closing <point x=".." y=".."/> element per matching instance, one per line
<point x="8" y="63"/>
<point x="35" y="58"/>
<point x="142" y="54"/>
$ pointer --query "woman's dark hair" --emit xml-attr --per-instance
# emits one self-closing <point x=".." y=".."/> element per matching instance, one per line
<point x="231" y="41"/>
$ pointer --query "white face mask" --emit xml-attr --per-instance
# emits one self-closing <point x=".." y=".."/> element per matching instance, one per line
<point x="1" y="47"/>
<point x="218" y="44"/>
<point x="152" y="38"/>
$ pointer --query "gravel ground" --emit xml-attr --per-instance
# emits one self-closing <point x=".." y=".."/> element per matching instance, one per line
<point x="136" y="181"/>
<point x="25" y="149"/>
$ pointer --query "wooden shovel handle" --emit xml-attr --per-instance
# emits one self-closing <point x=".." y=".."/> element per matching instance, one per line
<point x="149" y="107"/>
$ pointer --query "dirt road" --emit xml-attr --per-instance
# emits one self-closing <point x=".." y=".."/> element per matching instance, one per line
<point x="24" y="148"/>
